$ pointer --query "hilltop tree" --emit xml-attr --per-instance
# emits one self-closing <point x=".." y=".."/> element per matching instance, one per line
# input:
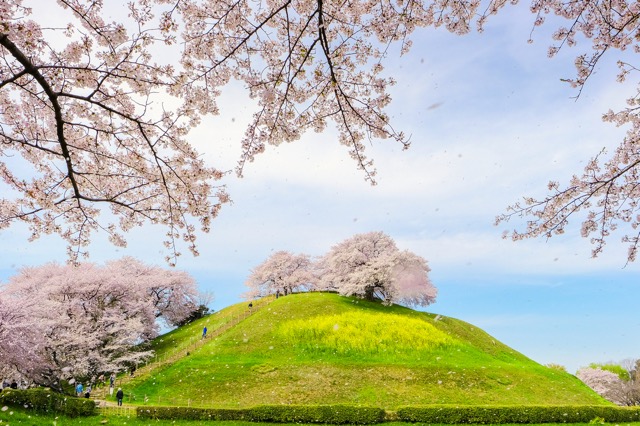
<point x="372" y="267"/>
<point x="79" y="321"/>
<point x="96" y="114"/>
<point x="283" y="272"/>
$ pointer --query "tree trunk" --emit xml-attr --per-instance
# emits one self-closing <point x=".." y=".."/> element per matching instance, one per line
<point x="369" y="293"/>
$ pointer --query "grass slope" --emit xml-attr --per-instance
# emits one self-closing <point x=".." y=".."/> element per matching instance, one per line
<point x="321" y="348"/>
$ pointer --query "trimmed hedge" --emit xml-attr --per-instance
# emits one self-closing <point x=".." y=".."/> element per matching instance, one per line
<point x="331" y="414"/>
<point x="46" y="401"/>
<point x="190" y="413"/>
<point x="443" y="414"/>
<point x="517" y="414"/>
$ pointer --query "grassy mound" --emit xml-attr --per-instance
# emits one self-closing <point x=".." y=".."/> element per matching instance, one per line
<point x="321" y="348"/>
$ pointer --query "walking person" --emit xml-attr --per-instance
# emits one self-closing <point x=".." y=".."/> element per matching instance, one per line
<point x="79" y="390"/>
<point x="119" y="396"/>
<point x="204" y="332"/>
<point x="112" y="382"/>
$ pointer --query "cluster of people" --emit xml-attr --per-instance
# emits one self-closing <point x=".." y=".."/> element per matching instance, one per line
<point x="81" y="391"/>
<point x="7" y="385"/>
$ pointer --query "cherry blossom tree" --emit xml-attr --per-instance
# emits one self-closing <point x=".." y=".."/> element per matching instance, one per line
<point x="410" y="283"/>
<point x="371" y="266"/>
<point x="79" y="321"/>
<point x="172" y="294"/>
<point x="282" y="273"/>
<point x="17" y="341"/>
<point x="95" y="114"/>
<point x="601" y="381"/>
<point x="100" y="120"/>
<point x="620" y="390"/>
<point x="606" y="192"/>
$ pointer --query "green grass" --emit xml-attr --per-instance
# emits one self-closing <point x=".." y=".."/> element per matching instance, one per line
<point x="185" y="336"/>
<point x="315" y="348"/>
<point x="16" y="416"/>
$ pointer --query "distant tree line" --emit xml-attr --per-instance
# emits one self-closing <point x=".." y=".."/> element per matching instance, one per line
<point x="369" y="266"/>
<point x="618" y="383"/>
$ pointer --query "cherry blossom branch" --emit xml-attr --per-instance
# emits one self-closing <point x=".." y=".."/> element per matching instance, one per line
<point x="32" y="70"/>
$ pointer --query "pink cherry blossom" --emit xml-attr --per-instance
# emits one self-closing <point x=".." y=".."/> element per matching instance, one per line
<point x="371" y="266"/>
<point x="95" y="115"/>
<point x="77" y="321"/>
<point x="282" y="273"/>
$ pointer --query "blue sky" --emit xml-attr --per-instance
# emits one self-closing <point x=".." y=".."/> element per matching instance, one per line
<point x="490" y="121"/>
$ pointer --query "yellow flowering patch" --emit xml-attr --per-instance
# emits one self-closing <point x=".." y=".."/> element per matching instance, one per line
<point x="367" y="333"/>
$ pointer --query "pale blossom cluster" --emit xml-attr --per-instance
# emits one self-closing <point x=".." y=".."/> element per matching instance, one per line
<point x="605" y="195"/>
<point x="598" y="379"/>
<point x="96" y="114"/>
<point x="369" y="266"/>
<point x="61" y="322"/>
<point x="607" y="192"/>
<point x="17" y="340"/>
<point x="86" y="124"/>
<point x="309" y="63"/>
<point x="619" y="390"/>
<point x="282" y="273"/>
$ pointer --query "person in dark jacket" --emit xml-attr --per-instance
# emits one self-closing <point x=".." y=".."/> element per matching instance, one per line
<point x="119" y="396"/>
